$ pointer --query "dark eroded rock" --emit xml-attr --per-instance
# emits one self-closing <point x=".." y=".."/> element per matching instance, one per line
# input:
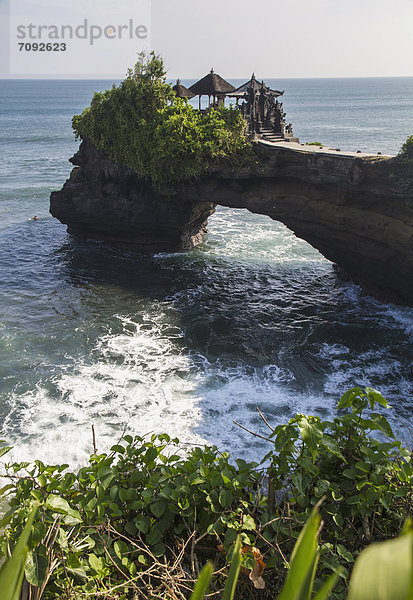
<point x="357" y="211"/>
<point x="108" y="201"/>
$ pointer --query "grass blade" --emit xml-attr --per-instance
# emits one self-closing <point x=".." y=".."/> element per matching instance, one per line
<point x="302" y="561"/>
<point x="327" y="587"/>
<point x="231" y="583"/>
<point x="11" y="573"/>
<point x="202" y="583"/>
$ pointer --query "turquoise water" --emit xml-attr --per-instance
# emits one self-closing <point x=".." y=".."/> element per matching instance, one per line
<point x="184" y="343"/>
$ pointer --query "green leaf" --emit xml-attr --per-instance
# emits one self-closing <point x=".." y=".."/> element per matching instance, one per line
<point x="158" y="550"/>
<point x="158" y="508"/>
<point x="6" y="488"/>
<point x="78" y="572"/>
<point x="248" y="523"/>
<point x="350" y="473"/>
<point x="322" y="487"/>
<point x="120" y="548"/>
<point x="302" y="561"/>
<point x="118" y="448"/>
<point x="196" y="479"/>
<point x="337" y="495"/>
<point x="60" y="505"/>
<point x="384" y="571"/>
<point x="331" y="446"/>
<point x="37" y="563"/>
<point x="310" y="431"/>
<point x="38" y="533"/>
<point x="326" y="589"/>
<point x="225" y="478"/>
<point x="131" y="528"/>
<point x="382" y="424"/>
<point x="375" y="396"/>
<point x="283" y="437"/>
<point x="348" y="397"/>
<point x="202" y="583"/>
<point x="363" y="466"/>
<point x="225" y="498"/>
<point x="7" y="518"/>
<point x="4" y="450"/>
<point x="153" y="537"/>
<point x="338" y="520"/>
<point x="142" y="524"/>
<point x="342" y="551"/>
<point x="97" y="563"/>
<point x="12" y="571"/>
<point x="229" y="590"/>
<point x="100" y="491"/>
<point x="151" y="454"/>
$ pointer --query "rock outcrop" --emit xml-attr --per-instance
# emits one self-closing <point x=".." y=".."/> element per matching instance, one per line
<point x="108" y="201"/>
<point x="357" y="211"/>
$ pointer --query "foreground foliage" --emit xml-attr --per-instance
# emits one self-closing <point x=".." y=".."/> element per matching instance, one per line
<point x="162" y="138"/>
<point x="142" y="520"/>
<point x="366" y="481"/>
<point x="382" y="571"/>
<point x="12" y="570"/>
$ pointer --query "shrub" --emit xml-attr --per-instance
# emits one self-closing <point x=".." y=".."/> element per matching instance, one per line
<point x="162" y="138"/>
<point x="366" y="481"/>
<point x="406" y="151"/>
<point x="145" y="517"/>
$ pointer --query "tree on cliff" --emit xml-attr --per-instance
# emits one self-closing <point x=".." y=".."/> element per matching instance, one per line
<point x="406" y="151"/>
<point x="143" y="124"/>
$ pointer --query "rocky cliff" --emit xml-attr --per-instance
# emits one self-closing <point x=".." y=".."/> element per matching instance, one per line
<point x="357" y="211"/>
<point x="108" y="201"/>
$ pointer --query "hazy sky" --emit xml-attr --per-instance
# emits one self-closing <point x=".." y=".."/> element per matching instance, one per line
<point x="274" y="38"/>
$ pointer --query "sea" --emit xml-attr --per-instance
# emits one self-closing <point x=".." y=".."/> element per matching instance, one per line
<point x="189" y="343"/>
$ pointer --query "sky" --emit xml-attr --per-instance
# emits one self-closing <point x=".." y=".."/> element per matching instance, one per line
<point x="273" y="38"/>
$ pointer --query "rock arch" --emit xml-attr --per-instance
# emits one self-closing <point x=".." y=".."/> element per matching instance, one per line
<point x="357" y="211"/>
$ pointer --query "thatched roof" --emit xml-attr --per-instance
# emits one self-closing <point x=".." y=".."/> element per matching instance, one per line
<point x="256" y="86"/>
<point x="181" y="91"/>
<point x="211" y="85"/>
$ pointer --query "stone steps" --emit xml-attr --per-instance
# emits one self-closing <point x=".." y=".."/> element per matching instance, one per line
<point x="272" y="138"/>
<point x="269" y="135"/>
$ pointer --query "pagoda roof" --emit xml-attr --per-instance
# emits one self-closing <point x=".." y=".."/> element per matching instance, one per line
<point x="181" y="91"/>
<point x="256" y="86"/>
<point x="211" y="85"/>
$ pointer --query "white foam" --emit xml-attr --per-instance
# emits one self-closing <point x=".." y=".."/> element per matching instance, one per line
<point x="143" y="380"/>
<point x="402" y="316"/>
<point x="135" y="380"/>
<point x="235" y="234"/>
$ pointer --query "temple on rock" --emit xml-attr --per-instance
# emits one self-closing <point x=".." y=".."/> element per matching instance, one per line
<point x="258" y="103"/>
<point x="262" y="111"/>
<point x="181" y="91"/>
<point x="213" y="86"/>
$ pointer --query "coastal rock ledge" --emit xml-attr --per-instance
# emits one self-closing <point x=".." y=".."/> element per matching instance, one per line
<point x="356" y="210"/>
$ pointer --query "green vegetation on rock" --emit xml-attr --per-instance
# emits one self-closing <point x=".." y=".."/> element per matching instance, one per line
<point x="144" y="518"/>
<point x="143" y="124"/>
<point x="406" y="151"/>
